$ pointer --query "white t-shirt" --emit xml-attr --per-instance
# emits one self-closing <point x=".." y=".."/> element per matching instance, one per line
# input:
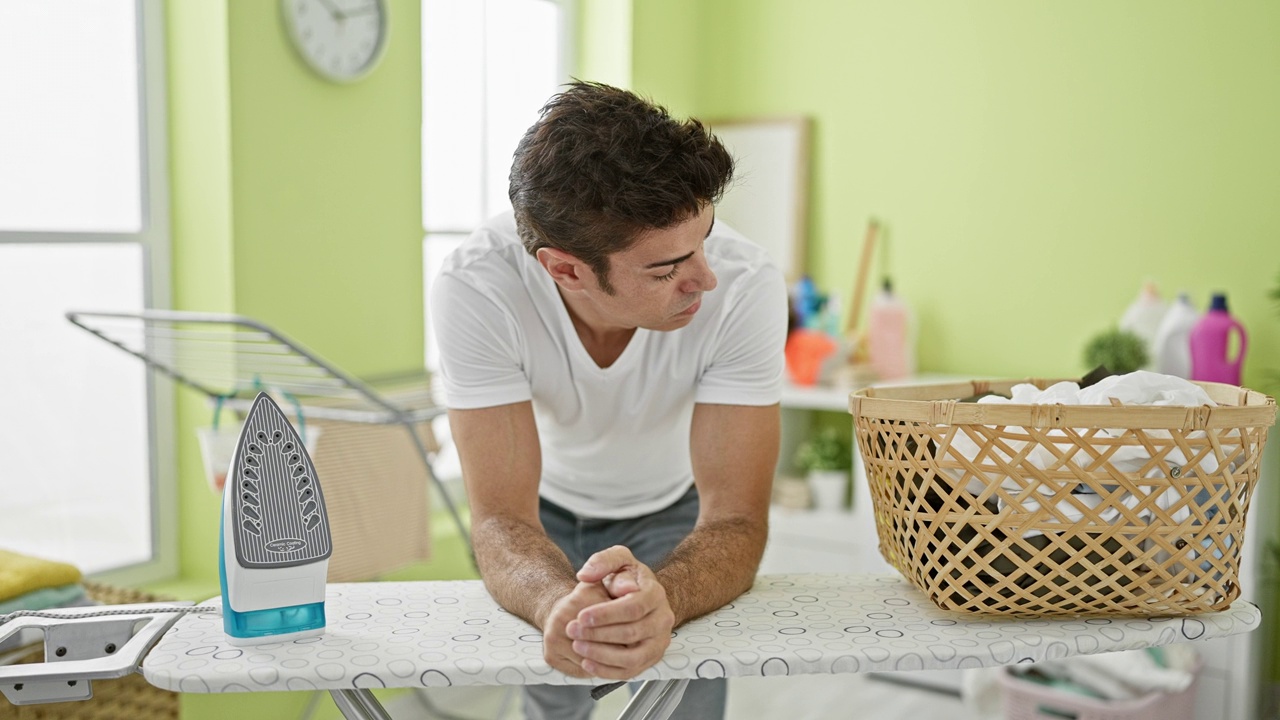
<point x="615" y="440"/>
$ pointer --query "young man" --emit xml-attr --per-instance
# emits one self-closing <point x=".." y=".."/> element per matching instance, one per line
<point x="612" y="361"/>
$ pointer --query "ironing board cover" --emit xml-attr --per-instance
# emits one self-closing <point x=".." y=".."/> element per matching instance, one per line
<point x="431" y="634"/>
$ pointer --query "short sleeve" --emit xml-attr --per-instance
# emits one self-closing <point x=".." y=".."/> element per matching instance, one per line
<point x="479" y="343"/>
<point x="747" y="363"/>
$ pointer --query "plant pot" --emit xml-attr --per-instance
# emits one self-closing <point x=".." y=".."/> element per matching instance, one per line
<point x="829" y="488"/>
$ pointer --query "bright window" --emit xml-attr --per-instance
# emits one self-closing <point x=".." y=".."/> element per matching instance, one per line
<point x="74" y="457"/>
<point x="488" y="66"/>
<point x="83" y="226"/>
<point x="69" y="117"/>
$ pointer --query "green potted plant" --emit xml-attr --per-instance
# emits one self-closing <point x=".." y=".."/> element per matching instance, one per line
<point x="1119" y="351"/>
<point x="826" y="457"/>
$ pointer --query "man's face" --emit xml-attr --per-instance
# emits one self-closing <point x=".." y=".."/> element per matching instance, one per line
<point x="658" y="282"/>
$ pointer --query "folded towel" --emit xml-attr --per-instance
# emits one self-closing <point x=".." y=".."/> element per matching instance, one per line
<point x="61" y="596"/>
<point x="21" y="574"/>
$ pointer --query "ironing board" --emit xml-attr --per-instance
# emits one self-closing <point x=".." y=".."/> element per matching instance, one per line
<point x="452" y="633"/>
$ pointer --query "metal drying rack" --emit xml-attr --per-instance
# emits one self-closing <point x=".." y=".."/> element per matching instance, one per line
<point x="230" y="357"/>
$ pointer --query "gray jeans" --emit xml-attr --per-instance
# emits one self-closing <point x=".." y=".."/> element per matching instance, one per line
<point x="650" y="538"/>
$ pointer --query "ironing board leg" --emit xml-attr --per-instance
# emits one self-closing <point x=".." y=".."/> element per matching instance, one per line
<point x="359" y="704"/>
<point x="655" y="700"/>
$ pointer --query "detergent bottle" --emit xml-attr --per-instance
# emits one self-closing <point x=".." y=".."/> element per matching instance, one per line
<point x="1143" y="316"/>
<point x="1172" y="348"/>
<point x="1210" y="343"/>
<point x="889" y="343"/>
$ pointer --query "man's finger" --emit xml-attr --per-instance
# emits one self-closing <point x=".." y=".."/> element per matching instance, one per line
<point x="556" y="644"/>
<point x="570" y="668"/>
<point x="621" y="634"/>
<point x="626" y="609"/>
<point x="622" y="583"/>
<point x="609" y="560"/>
<point x="608" y="672"/>
<point x="634" y="658"/>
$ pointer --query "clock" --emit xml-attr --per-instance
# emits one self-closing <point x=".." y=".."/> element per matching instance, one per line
<point x="342" y="40"/>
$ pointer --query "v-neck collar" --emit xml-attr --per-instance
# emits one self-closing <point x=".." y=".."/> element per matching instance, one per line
<point x="576" y="348"/>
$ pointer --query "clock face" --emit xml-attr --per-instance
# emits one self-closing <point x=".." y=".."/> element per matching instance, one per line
<point x="340" y="39"/>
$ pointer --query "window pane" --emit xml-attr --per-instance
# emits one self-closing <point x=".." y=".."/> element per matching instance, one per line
<point x="69" y="126"/>
<point x="522" y="64"/>
<point x="452" y="114"/>
<point x="75" y="481"/>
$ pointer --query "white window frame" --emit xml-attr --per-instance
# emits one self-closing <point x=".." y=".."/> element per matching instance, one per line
<point x="154" y="239"/>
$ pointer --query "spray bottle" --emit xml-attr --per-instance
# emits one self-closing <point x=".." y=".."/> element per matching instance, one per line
<point x="889" y="344"/>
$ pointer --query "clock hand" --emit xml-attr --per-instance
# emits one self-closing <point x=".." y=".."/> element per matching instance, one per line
<point x="334" y="10"/>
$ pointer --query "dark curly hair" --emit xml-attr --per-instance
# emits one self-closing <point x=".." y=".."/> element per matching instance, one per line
<point x="601" y="166"/>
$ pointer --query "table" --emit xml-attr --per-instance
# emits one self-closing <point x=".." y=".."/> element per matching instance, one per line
<point x="452" y="633"/>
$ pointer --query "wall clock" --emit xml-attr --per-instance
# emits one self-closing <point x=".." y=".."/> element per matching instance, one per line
<point x="341" y="40"/>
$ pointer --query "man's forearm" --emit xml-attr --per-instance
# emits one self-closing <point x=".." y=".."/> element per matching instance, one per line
<point x="524" y="571"/>
<point x="716" y="563"/>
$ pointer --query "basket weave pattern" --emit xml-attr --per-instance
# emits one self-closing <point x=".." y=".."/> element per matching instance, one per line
<point x="1051" y="510"/>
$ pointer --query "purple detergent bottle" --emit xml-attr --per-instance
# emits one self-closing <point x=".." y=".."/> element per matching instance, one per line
<point x="1211" y="345"/>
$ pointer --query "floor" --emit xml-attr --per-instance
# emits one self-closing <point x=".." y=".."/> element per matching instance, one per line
<point x="808" y="697"/>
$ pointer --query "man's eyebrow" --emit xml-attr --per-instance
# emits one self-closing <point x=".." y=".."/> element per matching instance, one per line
<point x="675" y="261"/>
<point x="682" y="258"/>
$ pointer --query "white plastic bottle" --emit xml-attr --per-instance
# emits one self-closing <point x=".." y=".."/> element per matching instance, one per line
<point x="1172" y="347"/>
<point x="1143" y="317"/>
<point x="890" y="347"/>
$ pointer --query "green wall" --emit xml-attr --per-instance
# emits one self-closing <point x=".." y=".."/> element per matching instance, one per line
<point x="1033" y="163"/>
<point x="668" y="57"/>
<point x="297" y="202"/>
<point x="327" y="193"/>
<point x="201" y="181"/>
<point x="604" y="41"/>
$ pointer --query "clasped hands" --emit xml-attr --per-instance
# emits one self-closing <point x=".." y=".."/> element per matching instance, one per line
<point x="614" y="624"/>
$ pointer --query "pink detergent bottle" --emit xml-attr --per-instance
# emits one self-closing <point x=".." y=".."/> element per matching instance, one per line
<point x="889" y="342"/>
<point x="1211" y="345"/>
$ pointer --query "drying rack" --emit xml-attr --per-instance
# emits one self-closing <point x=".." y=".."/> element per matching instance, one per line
<point x="230" y="358"/>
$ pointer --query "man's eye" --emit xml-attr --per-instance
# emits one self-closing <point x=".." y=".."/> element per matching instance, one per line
<point x="671" y="274"/>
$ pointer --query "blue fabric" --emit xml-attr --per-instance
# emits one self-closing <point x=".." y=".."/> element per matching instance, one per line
<point x="44" y="598"/>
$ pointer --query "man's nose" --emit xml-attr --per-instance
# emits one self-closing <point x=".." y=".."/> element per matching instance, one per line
<point x="702" y="279"/>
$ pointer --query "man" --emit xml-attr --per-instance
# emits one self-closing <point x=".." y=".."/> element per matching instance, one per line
<point x="612" y="360"/>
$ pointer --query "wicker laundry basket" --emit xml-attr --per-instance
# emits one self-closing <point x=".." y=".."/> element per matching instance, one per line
<point x="1053" y="510"/>
<point x="128" y="698"/>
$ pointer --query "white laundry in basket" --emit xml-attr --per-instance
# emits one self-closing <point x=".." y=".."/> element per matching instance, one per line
<point x="1136" y="388"/>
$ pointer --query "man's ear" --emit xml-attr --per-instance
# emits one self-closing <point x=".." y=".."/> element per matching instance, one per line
<point x="568" y="271"/>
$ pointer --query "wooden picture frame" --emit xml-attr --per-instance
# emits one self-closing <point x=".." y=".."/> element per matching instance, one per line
<point x="768" y="200"/>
